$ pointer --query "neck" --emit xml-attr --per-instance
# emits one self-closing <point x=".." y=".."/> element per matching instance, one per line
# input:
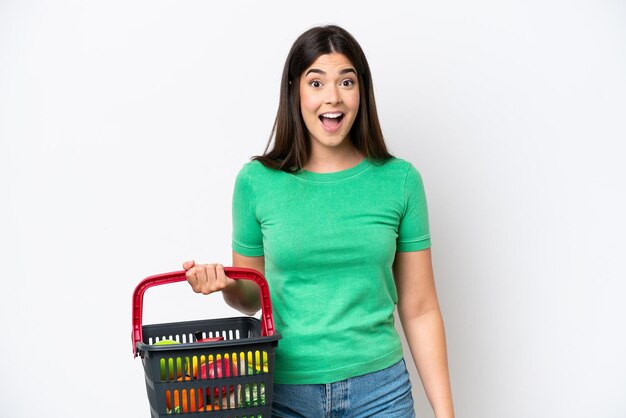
<point x="329" y="160"/>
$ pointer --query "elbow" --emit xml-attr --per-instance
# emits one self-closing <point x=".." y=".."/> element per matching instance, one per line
<point x="245" y="307"/>
<point x="410" y="311"/>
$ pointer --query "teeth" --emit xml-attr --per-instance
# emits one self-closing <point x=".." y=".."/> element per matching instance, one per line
<point x="331" y="115"/>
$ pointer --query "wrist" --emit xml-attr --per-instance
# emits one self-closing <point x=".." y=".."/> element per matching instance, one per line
<point x="446" y="414"/>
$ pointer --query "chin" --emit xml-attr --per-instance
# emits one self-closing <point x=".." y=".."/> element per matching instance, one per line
<point x="333" y="144"/>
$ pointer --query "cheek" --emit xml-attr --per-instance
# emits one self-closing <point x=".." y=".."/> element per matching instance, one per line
<point x="353" y="102"/>
<point x="307" y="103"/>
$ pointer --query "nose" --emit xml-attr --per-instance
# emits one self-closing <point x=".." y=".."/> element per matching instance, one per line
<point x="333" y="95"/>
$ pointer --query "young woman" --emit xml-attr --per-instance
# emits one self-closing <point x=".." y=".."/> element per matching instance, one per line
<point x="340" y="229"/>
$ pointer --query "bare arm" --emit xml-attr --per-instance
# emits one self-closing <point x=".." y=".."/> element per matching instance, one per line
<point x="418" y="308"/>
<point x="242" y="295"/>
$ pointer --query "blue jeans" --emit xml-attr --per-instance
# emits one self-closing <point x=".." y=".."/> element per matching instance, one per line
<point x="386" y="393"/>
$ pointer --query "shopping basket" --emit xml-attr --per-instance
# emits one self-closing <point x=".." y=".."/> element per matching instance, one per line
<point x="208" y="368"/>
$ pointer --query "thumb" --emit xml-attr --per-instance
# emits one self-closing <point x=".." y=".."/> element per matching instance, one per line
<point x="188" y="264"/>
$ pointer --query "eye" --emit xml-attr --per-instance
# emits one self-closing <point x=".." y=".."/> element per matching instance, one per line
<point x="347" y="83"/>
<point x="315" y="83"/>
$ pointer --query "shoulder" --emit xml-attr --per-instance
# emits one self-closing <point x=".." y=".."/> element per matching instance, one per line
<point x="255" y="174"/>
<point x="255" y="168"/>
<point x="394" y="163"/>
<point x="251" y="167"/>
<point x="397" y="167"/>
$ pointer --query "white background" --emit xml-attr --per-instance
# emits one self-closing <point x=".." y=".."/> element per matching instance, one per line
<point x="124" y="123"/>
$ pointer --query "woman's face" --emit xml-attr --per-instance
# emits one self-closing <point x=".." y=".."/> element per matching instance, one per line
<point x="329" y="100"/>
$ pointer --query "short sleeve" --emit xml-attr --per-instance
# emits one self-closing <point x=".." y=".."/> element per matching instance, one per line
<point x="247" y="238"/>
<point x="414" y="230"/>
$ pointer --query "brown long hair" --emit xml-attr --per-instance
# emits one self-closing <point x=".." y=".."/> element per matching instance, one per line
<point x="290" y="139"/>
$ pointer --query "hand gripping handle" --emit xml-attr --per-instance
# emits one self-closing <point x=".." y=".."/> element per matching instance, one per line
<point x="236" y="273"/>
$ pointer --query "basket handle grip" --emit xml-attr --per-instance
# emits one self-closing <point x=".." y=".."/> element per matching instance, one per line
<point x="236" y="273"/>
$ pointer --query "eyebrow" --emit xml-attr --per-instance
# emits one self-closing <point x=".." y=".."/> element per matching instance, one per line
<point x="322" y="72"/>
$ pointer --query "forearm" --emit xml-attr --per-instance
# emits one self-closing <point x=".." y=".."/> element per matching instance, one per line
<point x="243" y="296"/>
<point x="426" y="337"/>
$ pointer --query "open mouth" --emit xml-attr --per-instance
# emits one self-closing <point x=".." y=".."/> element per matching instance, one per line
<point x="331" y="121"/>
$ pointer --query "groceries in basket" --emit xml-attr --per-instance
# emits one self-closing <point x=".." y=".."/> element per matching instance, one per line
<point x="214" y="367"/>
<point x="170" y="367"/>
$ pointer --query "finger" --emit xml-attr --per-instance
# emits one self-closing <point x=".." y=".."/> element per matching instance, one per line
<point x="192" y="278"/>
<point x="222" y="280"/>
<point x="203" y="275"/>
<point x="188" y="264"/>
<point x="212" y="283"/>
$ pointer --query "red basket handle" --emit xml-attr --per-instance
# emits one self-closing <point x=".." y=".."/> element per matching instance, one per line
<point x="237" y="273"/>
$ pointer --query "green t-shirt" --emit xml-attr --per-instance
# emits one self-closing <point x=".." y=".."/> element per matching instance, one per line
<point x="329" y="241"/>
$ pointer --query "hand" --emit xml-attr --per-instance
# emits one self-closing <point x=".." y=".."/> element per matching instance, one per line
<point x="206" y="278"/>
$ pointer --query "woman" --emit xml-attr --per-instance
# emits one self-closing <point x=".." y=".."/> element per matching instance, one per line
<point x="340" y="229"/>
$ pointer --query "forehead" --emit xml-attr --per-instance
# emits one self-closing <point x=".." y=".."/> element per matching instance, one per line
<point x="331" y="62"/>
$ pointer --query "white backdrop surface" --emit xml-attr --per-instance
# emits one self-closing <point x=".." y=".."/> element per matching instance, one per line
<point x="124" y="123"/>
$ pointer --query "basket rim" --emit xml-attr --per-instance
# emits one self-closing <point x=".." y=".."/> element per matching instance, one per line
<point x="145" y="347"/>
<point x="211" y="321"/>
